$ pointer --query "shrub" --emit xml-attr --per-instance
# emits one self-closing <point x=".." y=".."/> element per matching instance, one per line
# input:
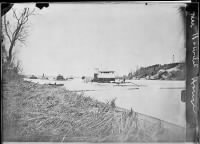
<point x="112" y="103"/>
<point x="59" y="77"/>
<point x="10" y="72"/>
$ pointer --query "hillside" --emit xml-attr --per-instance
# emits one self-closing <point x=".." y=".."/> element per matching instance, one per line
<point x="173" y="71"/>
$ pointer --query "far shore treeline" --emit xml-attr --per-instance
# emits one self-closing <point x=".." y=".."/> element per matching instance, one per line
<point x="172" y="71"/>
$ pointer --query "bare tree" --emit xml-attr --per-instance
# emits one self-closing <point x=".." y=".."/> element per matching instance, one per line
<point x="16" y="32"/>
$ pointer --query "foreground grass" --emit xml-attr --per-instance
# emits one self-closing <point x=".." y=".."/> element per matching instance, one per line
<point x="34" y="112"/>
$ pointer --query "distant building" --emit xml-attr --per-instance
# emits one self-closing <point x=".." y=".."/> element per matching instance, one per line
<point x="104" y="76"/>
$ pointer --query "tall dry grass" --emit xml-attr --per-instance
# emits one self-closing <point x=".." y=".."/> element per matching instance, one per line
<point x="47" y="113"/>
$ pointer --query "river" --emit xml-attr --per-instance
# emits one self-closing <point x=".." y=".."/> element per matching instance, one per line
<point x="157" y="98"/>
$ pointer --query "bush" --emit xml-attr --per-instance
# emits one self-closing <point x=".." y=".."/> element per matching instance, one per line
<point x="112" y="103"/>
<point x="10" y="72"/>
<point x="33" y="77"/>
<point x="60" y="77"/>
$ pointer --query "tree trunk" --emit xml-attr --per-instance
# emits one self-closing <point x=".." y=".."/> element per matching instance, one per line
<point x="10" y="52"/>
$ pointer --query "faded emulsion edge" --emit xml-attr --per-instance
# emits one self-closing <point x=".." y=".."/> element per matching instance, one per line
<point x="192" y="73"/>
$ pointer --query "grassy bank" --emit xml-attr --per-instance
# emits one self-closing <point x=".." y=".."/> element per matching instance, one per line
<point x="34" y="112"/>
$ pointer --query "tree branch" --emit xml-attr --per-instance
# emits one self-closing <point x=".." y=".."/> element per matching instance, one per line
<point x="15" y="15"/>
<point x="6" y="29"/>
<point x="20" y="32"/>
<point x="9" y="30"/>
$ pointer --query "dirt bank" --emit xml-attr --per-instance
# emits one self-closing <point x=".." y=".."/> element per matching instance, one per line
<point x="34" y="112"/>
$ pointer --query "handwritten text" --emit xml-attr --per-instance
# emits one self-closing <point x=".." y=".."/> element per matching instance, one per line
<point x="194" y="93"/>
<point x="195" y="58"/>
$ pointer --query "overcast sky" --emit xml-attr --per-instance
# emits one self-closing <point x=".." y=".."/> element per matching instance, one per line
<point x="73" y="39"/>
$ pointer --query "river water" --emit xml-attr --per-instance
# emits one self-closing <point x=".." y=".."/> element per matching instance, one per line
<point x="157" y="98"/>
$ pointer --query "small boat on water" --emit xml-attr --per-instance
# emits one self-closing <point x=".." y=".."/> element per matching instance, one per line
<point x="55" y="84"/>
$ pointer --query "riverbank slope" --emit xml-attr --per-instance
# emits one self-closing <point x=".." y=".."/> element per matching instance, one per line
<point x="172" y="71"/>
<point x="44" y="113"/>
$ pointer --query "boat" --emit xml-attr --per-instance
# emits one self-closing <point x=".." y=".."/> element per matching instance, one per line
<point x="104" y="76"/>
<point x="55" y="84"/>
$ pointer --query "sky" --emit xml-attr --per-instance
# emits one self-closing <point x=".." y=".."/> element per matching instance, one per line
<point x="74" y="39"/>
